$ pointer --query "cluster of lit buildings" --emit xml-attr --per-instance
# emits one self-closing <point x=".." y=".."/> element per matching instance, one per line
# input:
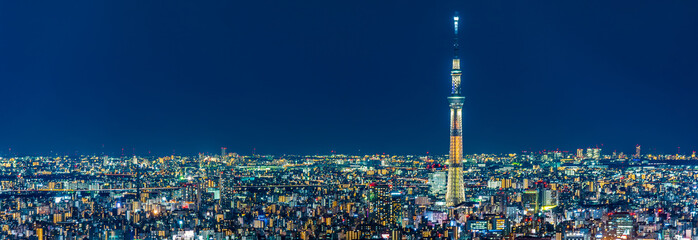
<point x="545" y="195"/>
<point x="534" y="195"/>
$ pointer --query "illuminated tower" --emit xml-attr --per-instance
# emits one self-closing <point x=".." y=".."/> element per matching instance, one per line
<point x="454" y="189"/>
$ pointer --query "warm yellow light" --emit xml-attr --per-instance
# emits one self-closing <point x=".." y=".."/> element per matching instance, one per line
<point x="545" y="208"/>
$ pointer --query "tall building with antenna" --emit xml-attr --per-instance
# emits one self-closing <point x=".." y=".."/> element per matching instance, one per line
<point x="455" y="193"/>
<point x="637" y="151"/>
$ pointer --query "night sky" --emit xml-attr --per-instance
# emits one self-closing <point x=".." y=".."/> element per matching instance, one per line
<point x="309" y="77"/>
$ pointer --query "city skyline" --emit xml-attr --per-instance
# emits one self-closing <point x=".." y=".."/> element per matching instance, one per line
<point x="327" y="120"/>
<point x="536" y="77"/>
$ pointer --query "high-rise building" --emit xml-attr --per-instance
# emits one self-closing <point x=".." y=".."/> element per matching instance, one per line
<point x="388" y="205"/>
<point x="525" y="184"/>
<point x="547" y="197"/>
<point x="506" y="182"/>
<point x="529" y="199"/>
<point x="437" y="180"/>
<point x="620" y="226"/>
<point x="223" y="151"/>
<point x="454" y="189"/>
<point x="382" y="202"/>
<point x="557" y="155"/>
<point x="637" y="151"/>
<point x="580" y="153"/>
<point x="395" y="218"/>
<point x="597" y="153"/>
<point x="353" y="235"/>
<point x="499" y="203"/>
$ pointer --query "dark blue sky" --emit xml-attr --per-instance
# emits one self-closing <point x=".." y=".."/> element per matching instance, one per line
<point x="315" y="76"/>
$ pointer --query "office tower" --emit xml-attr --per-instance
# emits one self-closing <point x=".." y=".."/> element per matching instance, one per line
<point x="620" y="225"/>
<point x="547" y="197"/>
<point x="637" y="151"/>
<point x="580" y="153"/>
<point x="353" y="235"/>
<point x="388" y="205"/>
<point x="395" y="218"/>
<point x="395" y="234"/>
<point x="557" y="155"/>
<point x="525" y="184"/>
<point x="590" y="153"/>
<point x="597" y="153"/>
<point x="499" y="203"/>
<point x="506" y="182"/>
<point x="454" y="189"/>
<point x="223" y="152"/>
<point x="437" y="180"/>
<point x="529" y="199"/>
<point x="380" y="203"/>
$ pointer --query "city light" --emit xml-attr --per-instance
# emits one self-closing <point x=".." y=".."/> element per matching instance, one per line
<point x="245" y="120"/>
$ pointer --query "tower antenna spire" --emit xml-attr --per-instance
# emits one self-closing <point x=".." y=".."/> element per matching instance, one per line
<point x="455" y="34"/>
<point x="455" y="23"/>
